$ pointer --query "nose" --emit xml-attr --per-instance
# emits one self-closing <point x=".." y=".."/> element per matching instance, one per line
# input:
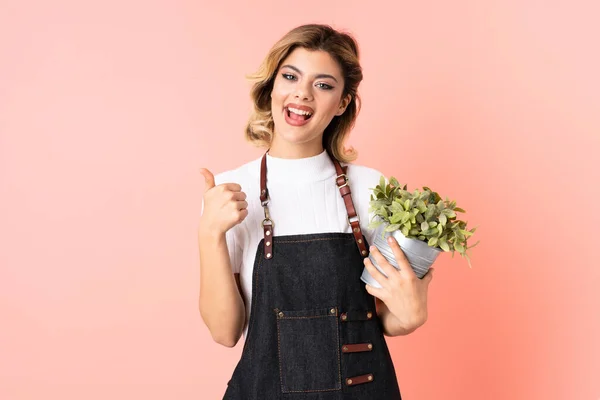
<point x="303" y="92"/>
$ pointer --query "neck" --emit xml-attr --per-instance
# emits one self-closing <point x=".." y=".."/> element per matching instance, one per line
<point x="305" y="169"/>
<point x="280" y="149"/>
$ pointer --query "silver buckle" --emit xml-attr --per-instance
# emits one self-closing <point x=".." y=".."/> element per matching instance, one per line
<point x="345" y="180"/>
<point x="267" y="220"/>
<point x="354" y="219"/>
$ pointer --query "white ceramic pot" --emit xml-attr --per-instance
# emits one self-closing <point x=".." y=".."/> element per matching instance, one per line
<point x="419" y="254"/>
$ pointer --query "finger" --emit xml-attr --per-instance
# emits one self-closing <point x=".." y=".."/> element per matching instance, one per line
<point x="232" y="187"/>
<point x="242" y="215"/>
<point x="400" y="257"/>
<point x="233" y="197"/>
<point x="428" y="277"/>
<point x="241" y="205"/>
<point x="209" y="178"/>
<point x="238" y="196"/>
<point x="382" y="262"/>
<point x="376" y="292"/>
<point x="375" y="273"/>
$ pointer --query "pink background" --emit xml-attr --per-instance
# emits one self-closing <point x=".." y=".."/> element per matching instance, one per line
<point x="108" y="109"/>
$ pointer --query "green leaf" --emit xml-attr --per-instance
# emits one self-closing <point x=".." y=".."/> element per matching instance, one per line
<point x="394" y="219"/>
<point x="443" y="219"/>
<point x="433" y="241"/>
<point x="392" y="227"/>
<point x="405" y="230"/>
<point x="459" y="210"/>
<point x="424" y="226"/>
<point x="396" y="207"/>
<point x="444" y="245"/>
<point x="430" y="211"/>
<point x="449" y="213"/>
<point x="429" y="232"/>
<point x="405" y="217"/>
<point x="394" y="182"/>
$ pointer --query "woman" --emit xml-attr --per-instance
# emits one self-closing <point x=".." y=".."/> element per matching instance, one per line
<point x="292" y="227"/>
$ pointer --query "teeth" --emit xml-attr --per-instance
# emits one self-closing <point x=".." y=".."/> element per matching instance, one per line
<point x="299" y="112"/>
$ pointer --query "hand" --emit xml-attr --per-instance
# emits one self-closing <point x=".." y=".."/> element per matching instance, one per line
<point x="225" y="205"/>
<point x="401" y="291"/>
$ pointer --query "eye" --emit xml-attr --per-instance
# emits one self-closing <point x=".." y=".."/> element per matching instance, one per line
<point x="324" y="86"/>
<point x="288" y="77"/>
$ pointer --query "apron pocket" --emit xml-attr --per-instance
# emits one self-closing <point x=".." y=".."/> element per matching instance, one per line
<point x="308" y="345"/>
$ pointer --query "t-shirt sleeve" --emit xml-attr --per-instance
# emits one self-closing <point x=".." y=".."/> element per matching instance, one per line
<point x="233" y="240"/>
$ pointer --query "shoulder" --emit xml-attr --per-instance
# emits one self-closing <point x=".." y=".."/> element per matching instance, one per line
<point x="363" y="177"/>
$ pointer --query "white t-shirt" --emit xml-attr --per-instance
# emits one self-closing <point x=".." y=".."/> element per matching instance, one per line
<point x="304" y="199"/>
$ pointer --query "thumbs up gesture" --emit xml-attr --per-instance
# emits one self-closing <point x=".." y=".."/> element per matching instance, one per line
<point x="225" y="205"/>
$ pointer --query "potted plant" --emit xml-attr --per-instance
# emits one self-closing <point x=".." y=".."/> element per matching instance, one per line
<point x="423" y="224"/>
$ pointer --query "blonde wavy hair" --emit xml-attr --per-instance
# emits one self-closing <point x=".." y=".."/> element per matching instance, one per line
<point x="343" y="48"/>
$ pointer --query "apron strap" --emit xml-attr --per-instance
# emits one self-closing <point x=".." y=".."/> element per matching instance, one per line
<point x="342" y="184"/>
<point x="267" y="223"/>
<point x="353" y="219"/>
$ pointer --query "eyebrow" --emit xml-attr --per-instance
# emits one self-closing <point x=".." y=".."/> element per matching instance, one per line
<point x="320" y="76"/>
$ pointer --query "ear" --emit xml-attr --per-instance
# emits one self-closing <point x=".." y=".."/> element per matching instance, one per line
<point x="344" y="104"/>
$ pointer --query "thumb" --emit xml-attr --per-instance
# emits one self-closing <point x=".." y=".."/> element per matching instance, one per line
<point x="209" y="178"/>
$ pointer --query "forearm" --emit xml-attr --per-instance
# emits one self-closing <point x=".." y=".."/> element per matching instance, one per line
<point x="221" y="305"/>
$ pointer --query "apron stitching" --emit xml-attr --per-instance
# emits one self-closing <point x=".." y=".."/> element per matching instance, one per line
<point x="279" y="353"/>
<point x="309" y="240"/>
<point x="337" y="329"/>
<point x="311" y="391"/>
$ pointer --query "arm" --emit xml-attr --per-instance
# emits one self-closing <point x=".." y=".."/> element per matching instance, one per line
<point x="221" y="304"/>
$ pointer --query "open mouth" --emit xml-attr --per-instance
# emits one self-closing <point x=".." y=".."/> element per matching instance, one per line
<point x="297" y="114"/>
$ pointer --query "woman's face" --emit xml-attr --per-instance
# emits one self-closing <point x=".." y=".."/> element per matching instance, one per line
<point x="307" y="94"/>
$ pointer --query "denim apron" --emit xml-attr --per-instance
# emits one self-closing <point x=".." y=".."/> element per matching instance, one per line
<point x="313" y="331"/>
